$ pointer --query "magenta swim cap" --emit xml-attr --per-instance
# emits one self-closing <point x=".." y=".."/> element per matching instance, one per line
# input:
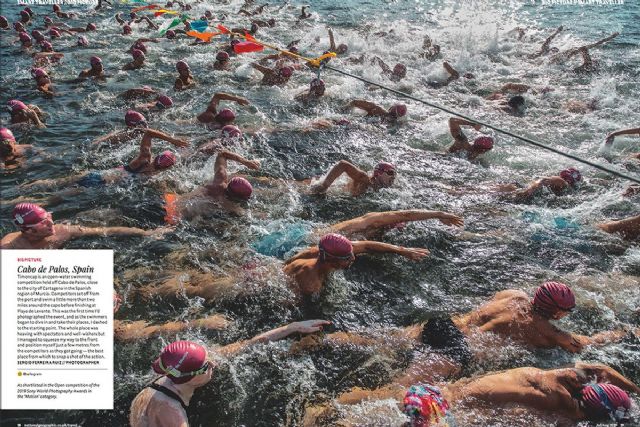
<point x="54" y="33"/>
<point x="56" y="8"/>
<point x="3" y="20"/>
<point x="39" y="72"/>
<point x="137" y="53"/>
<point x="225" y="116"/>
<point x="239" y="188"/>
<point x="164" y="160"/>
<point x="91" y="26"/>
<point x="28" y="10"/>
<point x="400" y="69"/>
<point x="286" y="72"/>
<point x="182" y="66"/>
<point x="139" y="45"/>
<point x="46" y="46"/>
<point x="222" y="56"/>
<point x="82" y="41"/>
<point x="126" y="29"/>
<point x="230" y="131"/>
<point x="26" y="215"/>
<point x="95" y="60"/>
<point x="24" y="37"/>
<point x="165" y="101"/>
<point x="607" y="399"/>
<point x="14" y="106"/>
<point x="335" y="246"/>
<point x="398" y="110"/>
<point x="180" y="361"/>
<point x="552" y="297"/>
<point x="383" y="167"/>
<point x="25" y="14"/>
<point x="571" y="175"/>
<point x="48" y="20"/>
<point x="7" y="135"/>
<point x="170" y="34"/>
<point x="37" y="35"/>
<point x="18" y="27"/>
<point x="133" y="118"/>
<point x="483" y="143"/>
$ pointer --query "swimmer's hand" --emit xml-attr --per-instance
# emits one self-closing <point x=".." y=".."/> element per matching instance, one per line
<point x="609" y="139"/>
<point x="477" y="126"/>
<point x="414" y="254"/>
<point x="451" y="219"/>
<point x="242" y="101"/>
<point x="253" y="164"/>
<point x="179" y="142"/>
<point x="307" y="326"/>
<point x="158" y="233"/>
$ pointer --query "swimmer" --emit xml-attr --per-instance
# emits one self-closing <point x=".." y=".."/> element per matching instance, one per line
<point x="612" y="136"/>
<point x="513" y="104"/>
<point x="186" y="366"/>
<point x="392" y="115"/>
<point x="22" y="113"/>
<point x="453" y="75"/>
<point x="544" y="49"/>
<point x="304" y="14"/>
<point x="229" y="136"/>
<point x="269" y="23"/>
<point x="25" y="18"/>
<point x="185" y="80"/>
<point x="136" y="125"/>
<point x="257" y="11"/>
<point x="382" y="176"/>
<point x="38" y="231"/>
<point x="4" y="23"/>
<point x="316" y="91"/>
<point x="47" y="56"/>
<point x="43" y="81"/>
<point x="559" y="184"/>
<point x="398" y="73"/>
<point x="90" y="27"/>
<point x="274" y="77"/>
<point x="139" y="93"/>
<point x="564" y="56"/>
<point x="160" y="104"/>
<point x="628" y="228"/>
<point x="584" y="392"/>
<point x="60" y="14"/>
<point x="341" y="49"/>
<point x="481" y="144"/>
<point x="25" y="41"/>
<point x="215" y="119"/>
<point x="11" y="153"/>
<point x="150" y="24"/>
<point x="96" y="70"/>
<point x="138" y="60"/>
<point x="222" y="62"/>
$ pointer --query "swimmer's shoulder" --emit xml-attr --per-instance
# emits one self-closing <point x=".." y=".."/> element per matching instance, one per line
<point x="13" y="241"/>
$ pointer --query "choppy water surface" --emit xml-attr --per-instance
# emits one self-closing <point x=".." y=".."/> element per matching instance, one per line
<point x="503" y="245"/>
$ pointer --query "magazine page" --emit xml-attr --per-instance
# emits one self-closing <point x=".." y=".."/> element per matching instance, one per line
<point x="363" y="213"/>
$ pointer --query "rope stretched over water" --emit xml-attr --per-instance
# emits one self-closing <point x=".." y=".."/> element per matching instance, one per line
<point x="490" y="126"/>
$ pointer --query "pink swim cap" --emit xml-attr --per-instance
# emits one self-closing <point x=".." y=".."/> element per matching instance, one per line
<point x="48" y="20"/>
<point x="483" y="143"/>
<point x="56" y="8"/>
<point x="164" y="160"/>
<point x="3" y="20"/>
<point x="335" y="246"/>
<point x="400" y="69"/>
<point x="225" y="115"/>
<point x="425" y="406"/>
<point x="95" y="60"/>
<point x="24" y="37"/>
<point x="239" y="188"/>
<point x="607" y="399"/>
<point x="7" y="135"/>
<point x="317" y="86"/>
<point x="14" y="106"/>
<point x="231" y="131"/>
<point x="182" y="66"/>
<point x="82" y="41"/>
<point x="133" y="119"/>
<point x="398" y="110"/>
<point x="37" y="35"/>
<point x="18" y="27"/>
<point x="571" y="175"/>
<point x="126" y="29"/>
<point x="552" y="297"/>
<point x="25" y="14"/>
<point x="39" y="72"/>
<point x="286" y="72"/>
<point x="165" y="101"/>
<point x="383" y="167"/>
<point x="91" y="26"/>
<point x="180" y="361"/>
<point x="170" y="34"/>
<point x="28" y="10"/>
<point x="137" y="53"/>
<point x="46" y="46"/>
<point x="54" y="33"/>
<point x="222" y="56"/>
<point x="26" y="215"/>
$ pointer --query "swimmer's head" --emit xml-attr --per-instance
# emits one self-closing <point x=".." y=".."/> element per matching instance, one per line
<point x="482" y="144"/>
<point x="517" y="104"/>
<point x="40" y="75"/>
<point x="16" y="106"/>
<point x="18" y="27"/>
<point x="554" y="50"/>
<point x="342" y="49"/>
<point x="222" y="56"/>
<point x="46" y="46"/>
<point x="140" y="46"/>
<point x="83" y="41"/>
<point x="96" y="63"/>
<point x="184" y="361"/>
<point x="126" y="29"/>
<point x="7" y="142"/>
<point x="554" y="300"/>
<point x="138" y="55"/>
<point x="37" y="35"/>
<point x="397" y="111"/>
<point x="572" y="176"/>
<point x="91" y="26"/>
<point x="384" y="174"/>
<point x="285" y="72"/>
<point x="208" y="14"/>
<point x="48" y="20"/>
<point x="604" y="402"/>
<point x="4" y="23"/>
<point x="293" y="49"/>
<point x="225" y="116"/>
<point x="24" y="16"/>
<point x="230" y="131"/>
<point x="25" y="39"/>
<point x="170" y="34"/>
<point x="56" y="8"/>
<point x="33" y="219"/>
<point x="163" y="102"/>
<point x="54" y="33"/>
<point x="239" y="188"/>
<point x="271" y="22"/>
<point x="336" y="249"/>
<point x="134" y="119"/>
<point x="254" y="28"/>
<point x="183" y="68"/>
<point x="424" y="405"/>
<point x="29" y="11"/>
<point x="164" y="160"/>
<point x="317" y="87"/>
<point x="400" y="71"/>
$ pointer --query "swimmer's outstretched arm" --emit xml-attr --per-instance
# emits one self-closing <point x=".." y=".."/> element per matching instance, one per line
<point x="377" y="220"/>
<point x="629" y="228"/>
<point x="308" y="253"/>
<point x="368" y="246"/>
<point x="220" y="167"/>
<point x="515" y="87"/>
<point x="382" y="64"/>
<point x="371" y="108"/>
<point x="77" y="231"/>
<point x="455" y="128"/>
<point x="332" y="42"/>
<point x="221" y="96"/>
<point x="141" y="330"/>
<point x="453" y="73"/>
<point x="545" y="46"/>
<point x="612" y="135"/>
<point x="304" y="327"/>
<point x="119" y="136"/>
<point x="34" y="118"/>
<point x="338" y="169"/>
<point x="605" y="373"/>
<point x="144" y="156"/>
<point x="264" y="70"/>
